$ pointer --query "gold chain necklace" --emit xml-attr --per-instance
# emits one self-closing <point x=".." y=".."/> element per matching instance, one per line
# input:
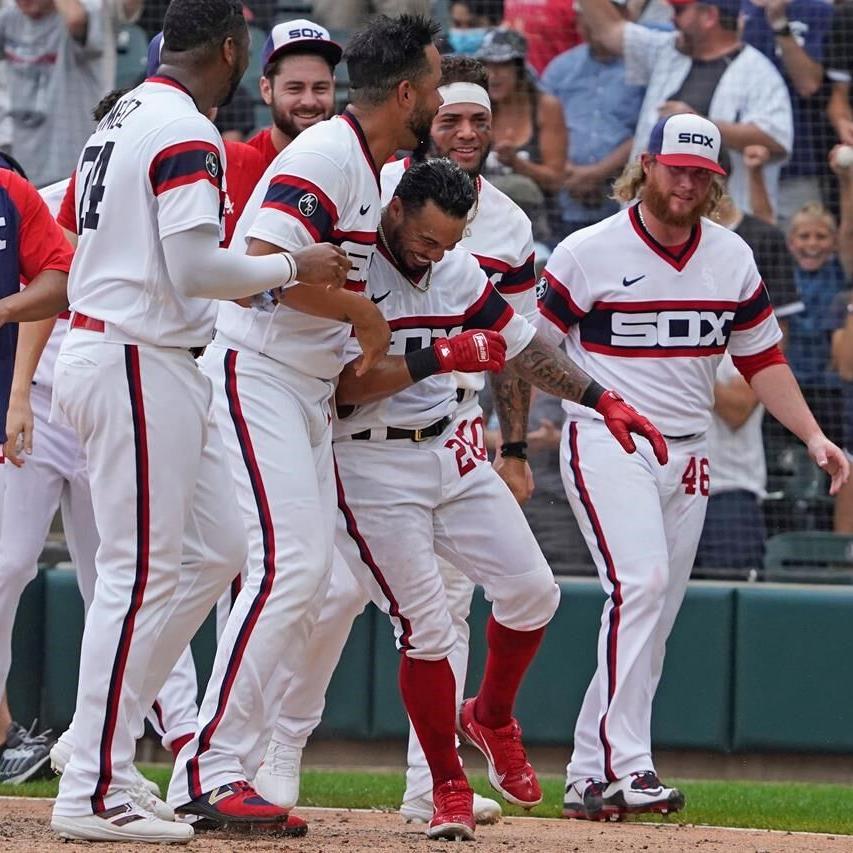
<point x="422" y="287"/>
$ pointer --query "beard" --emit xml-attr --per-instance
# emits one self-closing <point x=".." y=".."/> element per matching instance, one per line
<point x="658" y="203"/>
<point x="397" y="251"/>
<point x="433" y="153"/>
<point x="287" y="126"/>
<point x="420" y="125"/>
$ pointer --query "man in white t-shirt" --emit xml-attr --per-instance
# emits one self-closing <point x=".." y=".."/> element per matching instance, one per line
<point x="703" y="68"/>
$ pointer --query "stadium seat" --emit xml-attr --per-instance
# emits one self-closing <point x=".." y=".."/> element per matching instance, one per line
<point x="809" y="557"/>
<point x="131" y="56"/>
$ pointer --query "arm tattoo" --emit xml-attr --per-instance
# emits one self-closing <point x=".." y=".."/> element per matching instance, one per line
<point x="550" y="369"/>
<point x="512" y="404"/>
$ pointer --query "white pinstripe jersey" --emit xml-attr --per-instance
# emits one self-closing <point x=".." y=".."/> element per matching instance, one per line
<point x="153" y="167"/>
<point x="500" y="237"/>
<point x="323" y="187"/>
<point x="652" y="326"/>
<point x="459" y="298"/>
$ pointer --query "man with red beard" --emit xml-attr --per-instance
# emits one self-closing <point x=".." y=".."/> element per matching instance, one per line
<point x="652" y="297"/>
<point x="298" y="83"/>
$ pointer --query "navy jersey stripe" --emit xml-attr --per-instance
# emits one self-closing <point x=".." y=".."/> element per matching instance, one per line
<point x="754" y="310"/>
<point x="185" y="163"/>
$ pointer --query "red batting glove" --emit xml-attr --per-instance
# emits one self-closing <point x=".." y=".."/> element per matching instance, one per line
<point x="471" y="351"/>
<point x="622" y="419"/>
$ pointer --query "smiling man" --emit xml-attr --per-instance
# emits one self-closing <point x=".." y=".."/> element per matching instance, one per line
<point x="651" y="298"/>
<point x="298" y="83"/>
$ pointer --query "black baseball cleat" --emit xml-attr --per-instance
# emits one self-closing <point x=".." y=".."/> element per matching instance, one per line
<point x="638" y="793"/>
<point x="239" y="806"/>
<point x="26" y="756"/>
<point x="583" y="800"/>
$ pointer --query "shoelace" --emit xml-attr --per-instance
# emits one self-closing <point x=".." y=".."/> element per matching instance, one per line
<point x="645" y="780"/>
<point x="510" y="737"/>
<point x="595" y="789"/>
<point x="455" y="800"/>
<point x="284" y="761"/>
<point x="25" y="737"/>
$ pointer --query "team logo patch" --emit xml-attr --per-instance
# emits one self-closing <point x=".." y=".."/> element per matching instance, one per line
<point x="482" y="346"/>
<point x="308" y="204"/>
<point x="541" y="287"/>
<point x="211" y="163"/>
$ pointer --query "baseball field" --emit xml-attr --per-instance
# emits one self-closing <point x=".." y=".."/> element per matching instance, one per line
<point x="355" y="811"/>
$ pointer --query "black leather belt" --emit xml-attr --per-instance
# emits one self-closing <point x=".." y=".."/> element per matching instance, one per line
<point x="683" y="437"/>
<point x="396" y="432"/>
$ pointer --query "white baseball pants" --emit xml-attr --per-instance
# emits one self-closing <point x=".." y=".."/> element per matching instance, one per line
<point x="642" y="524"/>
<point x="171" y="539"/>
<point x="276" y="425"/>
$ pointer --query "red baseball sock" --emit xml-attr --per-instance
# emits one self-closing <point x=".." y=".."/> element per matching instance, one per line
<point x="429" y="694"/>
<point x="510" y="653"/>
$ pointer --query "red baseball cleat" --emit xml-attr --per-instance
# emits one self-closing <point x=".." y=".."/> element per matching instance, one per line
<point x="239" y="806"/>
<point x="453" y="818"/>
<point x="509" y="770"/>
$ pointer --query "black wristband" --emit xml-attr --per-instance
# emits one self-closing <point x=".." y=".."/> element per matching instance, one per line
<point x="422" y="363"/>
<point x="515" y="449"/>
<point x="783" y="32"/>
<point x="592" y="394"/>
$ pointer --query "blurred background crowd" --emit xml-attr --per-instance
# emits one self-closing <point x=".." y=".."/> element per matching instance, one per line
<point x="576" y="86"/>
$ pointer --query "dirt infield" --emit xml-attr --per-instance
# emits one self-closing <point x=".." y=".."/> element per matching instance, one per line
<point x="24" y="829"/>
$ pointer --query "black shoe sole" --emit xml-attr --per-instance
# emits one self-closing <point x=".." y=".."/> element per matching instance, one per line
<point x="209" y="819"/>
<point x="614" y="809"/>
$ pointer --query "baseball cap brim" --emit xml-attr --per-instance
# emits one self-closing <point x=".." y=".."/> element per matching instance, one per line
<point x="691" y="161"/>
<point x="329" y="50"/>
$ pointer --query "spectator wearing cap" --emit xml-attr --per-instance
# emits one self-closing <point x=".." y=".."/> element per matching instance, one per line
<point x="348" y="14"/>
<point x="600" y="110"/>
<point x="791" y="34"/>
<point x="703" y="68"/>
<point x="528" y="157"/>
<point x="298" y="83"/>
<point x="469" y="22"/>
<point x="54" y="54"/>
<point x="548" y="25"/>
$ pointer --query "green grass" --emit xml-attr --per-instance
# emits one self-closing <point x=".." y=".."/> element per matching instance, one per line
<point x="761" y="805"/>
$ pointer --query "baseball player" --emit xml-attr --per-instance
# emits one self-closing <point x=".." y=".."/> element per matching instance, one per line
<point x="499" y="236"/>
<point x="298" y="83"/>
<point x="273" y="368"/>
<point x="31" y="248"/>
<point x="401" y="416"/>
<point x="146" y="271"/>
<point x="653" y="297"/>
<point x="55" y="476"/>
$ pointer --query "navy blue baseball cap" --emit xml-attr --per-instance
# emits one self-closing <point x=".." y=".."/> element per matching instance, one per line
<point x="686" y="139"/>
<point x="155" y="48"/>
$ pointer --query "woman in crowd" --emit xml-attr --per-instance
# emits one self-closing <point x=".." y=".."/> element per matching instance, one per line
<point x="528" y="159"/>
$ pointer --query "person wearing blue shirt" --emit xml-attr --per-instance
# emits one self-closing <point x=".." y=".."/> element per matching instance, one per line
<point x="791" y="34"/>
<point x="600" y="111"/>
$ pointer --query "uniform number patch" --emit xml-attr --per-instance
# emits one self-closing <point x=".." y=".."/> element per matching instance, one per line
<point x="697" y="472"/>
<point x="469" y="444"/>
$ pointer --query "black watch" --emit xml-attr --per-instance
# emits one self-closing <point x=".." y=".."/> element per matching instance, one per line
<point x="783" y="31"/>
<point x="515" y="449"/>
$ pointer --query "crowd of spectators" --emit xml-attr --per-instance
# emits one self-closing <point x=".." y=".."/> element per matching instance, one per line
<point x="575" y="86"/>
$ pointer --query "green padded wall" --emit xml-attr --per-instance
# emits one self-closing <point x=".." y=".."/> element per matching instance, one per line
<point x="793" y="678"/>
<point x="693" y="708"/>
<point x="63" y="616"/>
<point x="26" y="675"/>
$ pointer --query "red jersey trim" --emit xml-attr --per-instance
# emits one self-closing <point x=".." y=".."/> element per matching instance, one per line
<point x="353" y="122"/>
<point x="679" y="262"/>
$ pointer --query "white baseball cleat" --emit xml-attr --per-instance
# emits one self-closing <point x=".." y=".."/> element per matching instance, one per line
<point x="638" y="793"/>
<point x="126" y="822"/>
<point x="277" y="779"/>
<point x="420" y="809"/>
<point x="143" y="792"/>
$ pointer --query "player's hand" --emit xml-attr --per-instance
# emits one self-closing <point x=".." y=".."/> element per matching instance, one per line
<point x="622" y="419"/>
<point x="844" y="129"/>
<point x="471" y="351"/>
<point x="373" y="334"/>
<point x="830" y="458"/>
<point x="323" y="264"/>
<point x="517" y="475"/>
<point x="843" y="172"/>
<point x="19" y="429"/>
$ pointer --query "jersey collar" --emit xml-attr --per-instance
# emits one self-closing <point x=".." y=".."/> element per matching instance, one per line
<point x="166" y="80"/>
<point x="353" y="122"/>
<point x="678" y="261"/>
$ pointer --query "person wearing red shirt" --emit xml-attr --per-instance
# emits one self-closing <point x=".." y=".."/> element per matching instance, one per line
<point x="298" y="83"/>
<point x="549" y="26"/>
